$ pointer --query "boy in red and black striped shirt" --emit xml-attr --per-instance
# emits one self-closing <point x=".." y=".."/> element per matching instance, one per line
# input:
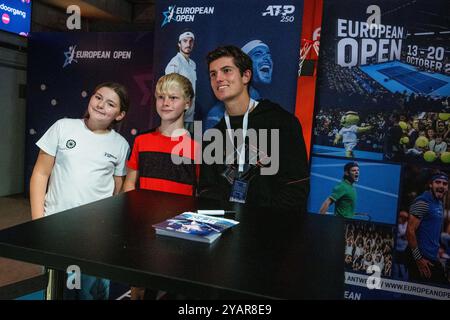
<point x="163" y="159"/>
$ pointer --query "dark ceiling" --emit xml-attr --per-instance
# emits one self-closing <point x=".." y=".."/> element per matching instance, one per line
<point x="97" y="15"/>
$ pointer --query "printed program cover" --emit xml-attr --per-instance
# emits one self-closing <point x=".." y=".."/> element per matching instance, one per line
<point x="193" y="226"/>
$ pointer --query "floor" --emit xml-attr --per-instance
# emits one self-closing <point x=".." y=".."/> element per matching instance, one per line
<point x="16" y="276"/>
<point x="24" y="281"/>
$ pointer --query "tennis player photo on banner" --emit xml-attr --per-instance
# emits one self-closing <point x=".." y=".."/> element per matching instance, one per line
<point x="272" y="42"/>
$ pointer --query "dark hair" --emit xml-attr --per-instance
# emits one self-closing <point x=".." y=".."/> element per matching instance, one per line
<point x="242" y="61"/>
<point x="120" y="90"/>
<point x="350" y="165"/>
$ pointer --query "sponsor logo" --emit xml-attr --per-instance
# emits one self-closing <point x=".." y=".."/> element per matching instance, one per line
<point x="5" y="18"/>
<point x="69" y="56"/>
<point x="168" y="15"/>
<point x="73" y="55"/>
<point x="71" y="144"/>
<point x="277" y="10"/>
<point x="285" y="13"/>
<point x="14" y="11"/>
<point x="184" y="14"/>
<point x="109" y="155"/>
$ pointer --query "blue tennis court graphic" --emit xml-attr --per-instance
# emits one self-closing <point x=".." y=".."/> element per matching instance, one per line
<point x="377" y="188"/>
<point x="416" y="81"/>
<point x="340" y="152"/>
<point x="401" y="77"/>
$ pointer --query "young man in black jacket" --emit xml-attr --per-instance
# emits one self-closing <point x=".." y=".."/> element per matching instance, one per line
<point x="271" y="168"/>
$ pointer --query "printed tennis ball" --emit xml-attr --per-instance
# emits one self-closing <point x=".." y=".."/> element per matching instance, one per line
<point x="404" y="140"/>
<point x="403" y="125"/>
<point x="421" y="142"/>
<point x="445" y="157"/>
<point x="429" y="156"/>
<point x="444" y="116"/>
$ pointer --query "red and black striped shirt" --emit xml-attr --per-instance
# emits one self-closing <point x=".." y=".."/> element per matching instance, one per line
<point x="157" y="159"/>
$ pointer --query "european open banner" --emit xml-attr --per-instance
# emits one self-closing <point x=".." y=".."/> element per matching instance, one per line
<point x="65" y="68"/>
<point x="251" y="25"/>
<point x="382" y="102"/>
<point x="402" y="66"/>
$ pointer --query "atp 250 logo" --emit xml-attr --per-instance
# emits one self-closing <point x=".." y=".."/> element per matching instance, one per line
<point x="285" y="12"/>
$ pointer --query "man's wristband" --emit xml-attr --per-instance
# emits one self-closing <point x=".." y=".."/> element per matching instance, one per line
<point x="416" y="254"/>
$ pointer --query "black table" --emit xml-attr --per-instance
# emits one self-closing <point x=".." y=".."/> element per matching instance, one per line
<point x="270" y="254"/>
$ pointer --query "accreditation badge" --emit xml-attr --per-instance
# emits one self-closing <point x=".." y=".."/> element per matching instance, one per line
<point x="239" y="191"/>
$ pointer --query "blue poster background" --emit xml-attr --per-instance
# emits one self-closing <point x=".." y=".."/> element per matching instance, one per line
<point x="382" y="100"/>
<point x="63" y="72"/>
<point x="232" y="22"/>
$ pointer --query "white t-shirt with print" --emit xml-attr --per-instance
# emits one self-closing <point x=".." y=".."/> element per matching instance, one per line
<point x="349" y="134"/>
<point x="85" y="163"/>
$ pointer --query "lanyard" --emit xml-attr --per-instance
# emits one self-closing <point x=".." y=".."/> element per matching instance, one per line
<point x="241" y="153"/>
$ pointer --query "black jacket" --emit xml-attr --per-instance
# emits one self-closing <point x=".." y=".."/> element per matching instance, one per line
<point x="289" y="187"/>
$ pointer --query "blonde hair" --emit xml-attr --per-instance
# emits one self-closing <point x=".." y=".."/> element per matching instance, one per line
<point x="167" y="82"/>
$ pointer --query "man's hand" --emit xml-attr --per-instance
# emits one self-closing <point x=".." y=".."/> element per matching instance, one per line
<point x="424" y="267"/>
